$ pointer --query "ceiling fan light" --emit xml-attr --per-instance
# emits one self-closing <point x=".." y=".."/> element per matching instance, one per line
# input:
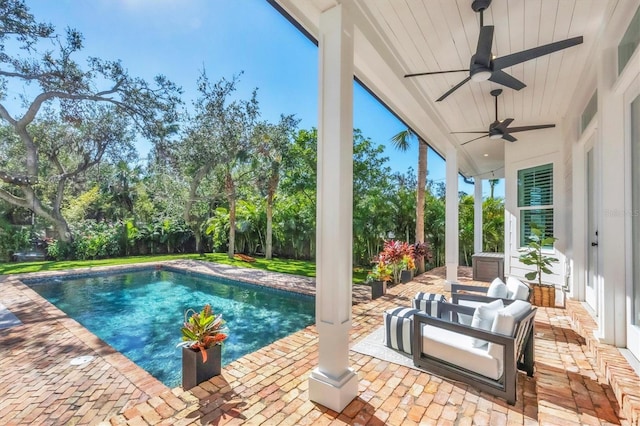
<point x="483" y="75"/>
<point x="495" y="136"/>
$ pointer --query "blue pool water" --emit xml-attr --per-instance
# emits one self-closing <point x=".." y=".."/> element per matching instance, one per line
<point x="140" y="313"/>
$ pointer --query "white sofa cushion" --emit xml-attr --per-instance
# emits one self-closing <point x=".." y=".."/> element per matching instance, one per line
<point x="483" y="318"/>
<point x="504" y="323"/>
<point x="497" y="289"/>
<point x="457" y="349"/>
<point x="516" y="289"/>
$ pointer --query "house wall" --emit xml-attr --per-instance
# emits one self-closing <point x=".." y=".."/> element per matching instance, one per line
<point x="534" y="149"/>
<point x="608" y="135"/>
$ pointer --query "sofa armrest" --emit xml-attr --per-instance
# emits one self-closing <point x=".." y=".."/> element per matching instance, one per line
<point x="456" y="288"/>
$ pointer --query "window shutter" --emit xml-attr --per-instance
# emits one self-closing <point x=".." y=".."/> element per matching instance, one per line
<point x="535" y="186"/>
<point x="535" y="200"/>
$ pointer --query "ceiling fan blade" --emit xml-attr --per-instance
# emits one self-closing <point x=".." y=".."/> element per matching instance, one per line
<point x="505" y="79"/>
<point x="432" y="73"/>
<point x="508" y="137"/>
<point x="502" y="126"/>
<point x="475" y="139"/>
<point x="481" y="131"/>
<point x="526" y="128"/>
<point x="485" y="41"/>
<point x="453" y="89"/>
<point x="526" y="55"/>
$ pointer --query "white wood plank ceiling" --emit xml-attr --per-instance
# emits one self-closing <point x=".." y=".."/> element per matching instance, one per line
<point x="440" y="35"/>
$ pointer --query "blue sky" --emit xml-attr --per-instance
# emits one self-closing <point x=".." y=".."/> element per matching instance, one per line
<point x="178" y="38"/>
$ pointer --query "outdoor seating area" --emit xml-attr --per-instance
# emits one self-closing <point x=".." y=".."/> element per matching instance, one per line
<point x="479" y="340"/>
<point x="271" y="385"/>
<point x="485" y="357"/>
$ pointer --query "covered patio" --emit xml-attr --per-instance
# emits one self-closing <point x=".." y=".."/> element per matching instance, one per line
<point x="571" y="73"/>
<point x="577" y="380"/>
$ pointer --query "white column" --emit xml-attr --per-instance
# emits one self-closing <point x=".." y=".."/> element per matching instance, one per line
<point x="451" y="218"/>
<point x="477" y="215"/>
<point x="333" y="383"/>
<point x="612" y="291"/>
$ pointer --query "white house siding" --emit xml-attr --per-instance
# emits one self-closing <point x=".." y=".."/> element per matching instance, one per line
<point x="608" y="129"/>
<point x="534" y="149"/>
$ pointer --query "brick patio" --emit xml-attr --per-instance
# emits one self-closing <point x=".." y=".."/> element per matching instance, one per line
<point x="38" y="386"/>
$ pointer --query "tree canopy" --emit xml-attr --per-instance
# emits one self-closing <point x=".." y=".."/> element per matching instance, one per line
<point x="88" y="106"/>
<point x="219" y="178"/>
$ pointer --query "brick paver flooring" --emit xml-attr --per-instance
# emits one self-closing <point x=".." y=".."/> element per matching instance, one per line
<point x="39" y="386"/>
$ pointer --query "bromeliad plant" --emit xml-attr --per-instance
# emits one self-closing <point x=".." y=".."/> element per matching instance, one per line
<point x="202" y="330"/>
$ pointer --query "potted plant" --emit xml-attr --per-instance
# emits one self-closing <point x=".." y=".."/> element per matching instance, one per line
<point x="533" y="255"/>
<point x="202" y="336"/>
<point x="393" y="254"/>
<point x="377" y="279"/>
<point x="407" y="266"/>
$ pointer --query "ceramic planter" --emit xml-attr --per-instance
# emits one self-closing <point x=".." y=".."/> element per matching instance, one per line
<point x="378" y="288"/>
<point x="194" y="371"/>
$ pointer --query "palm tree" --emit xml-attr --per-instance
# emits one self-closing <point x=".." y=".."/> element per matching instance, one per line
<point x="492" y="184"/>
<point x="401" y="141"/>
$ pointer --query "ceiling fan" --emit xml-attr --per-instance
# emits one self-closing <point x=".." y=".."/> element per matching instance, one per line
<point x="501" y="129"/>
<point x="484" y="66"/>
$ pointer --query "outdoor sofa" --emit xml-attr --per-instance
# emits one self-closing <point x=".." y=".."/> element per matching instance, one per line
<point x="486" y="354"/>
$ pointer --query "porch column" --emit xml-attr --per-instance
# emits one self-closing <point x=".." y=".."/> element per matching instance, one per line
<point x="477" y="215"/>
<point x="611" y="233"/>
<point x="333" y="383"/>
<point x="451" y="218"/>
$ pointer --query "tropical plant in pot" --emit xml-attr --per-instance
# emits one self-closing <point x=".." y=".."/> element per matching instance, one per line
<point x="202" y="336"/>
<point x="407" y="266"/>
<point x="534" y="255"/>
<point x="377" y="278"/>
<point x="394" y="254"/>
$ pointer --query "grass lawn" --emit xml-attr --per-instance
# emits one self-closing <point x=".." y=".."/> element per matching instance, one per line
<point x="286" y="266"/>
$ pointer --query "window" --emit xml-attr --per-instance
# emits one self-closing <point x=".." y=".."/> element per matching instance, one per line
<point x="589" y="111"/>
<point x="535" y="200"/>
<point x="635" y="206"/>
<point x="629" y="42"/>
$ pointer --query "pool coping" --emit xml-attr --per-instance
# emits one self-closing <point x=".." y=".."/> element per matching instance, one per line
<point x="146" y="386"/>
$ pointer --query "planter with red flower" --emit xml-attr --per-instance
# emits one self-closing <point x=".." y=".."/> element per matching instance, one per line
<point x="202" y="336"/>
<point x="399" y="256"/>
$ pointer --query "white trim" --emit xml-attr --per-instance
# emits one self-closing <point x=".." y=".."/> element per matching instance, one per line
<point x="512" y="226"/>
<point x="477" y="216"/>
<point x="452" y="233"/>
<point x="579" y="219"/>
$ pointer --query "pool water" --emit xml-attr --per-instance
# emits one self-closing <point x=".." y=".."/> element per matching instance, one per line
<point x="140" y="313"/>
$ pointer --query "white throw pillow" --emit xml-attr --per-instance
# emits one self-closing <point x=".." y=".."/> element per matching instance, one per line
<point x="497" y="289"/>
<point x="483" y="318"/>
<point x="517" y="290"/>
<point x="504" y="323"/>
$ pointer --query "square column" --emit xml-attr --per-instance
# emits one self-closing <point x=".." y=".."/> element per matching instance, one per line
<point x="333" y="383"/>
<point x="611" y="231"/>
<point x="477" y="215"/>
<point x="451" y="218"/>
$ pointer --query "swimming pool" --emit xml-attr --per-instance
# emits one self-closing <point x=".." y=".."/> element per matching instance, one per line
<point x="139" y="313"/>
